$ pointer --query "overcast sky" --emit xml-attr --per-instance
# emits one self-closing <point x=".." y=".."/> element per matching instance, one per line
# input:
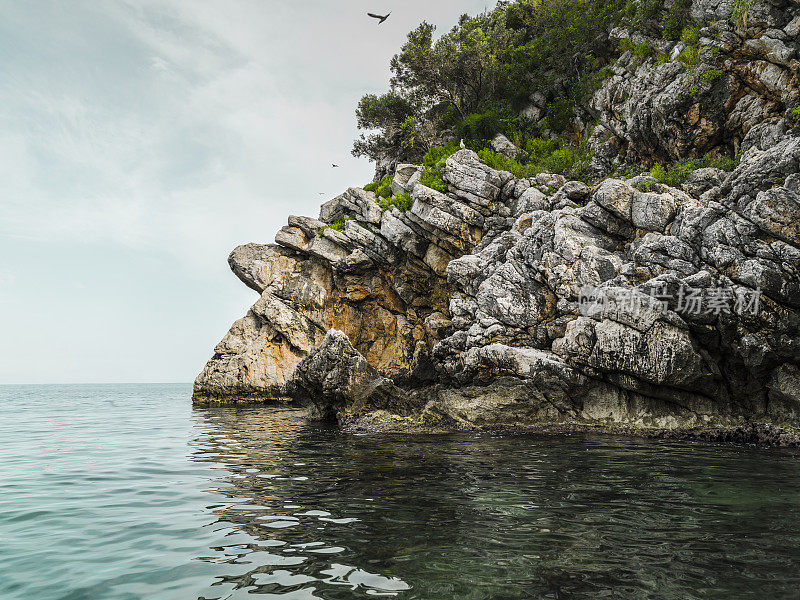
<point x="142" y="140"/>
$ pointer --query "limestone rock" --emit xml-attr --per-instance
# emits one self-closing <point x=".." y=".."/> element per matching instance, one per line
<point x="503" y="145"/>
<point x="339" y="382"/>
<point x="519" y="302"/>
<point x="405" y="177"/>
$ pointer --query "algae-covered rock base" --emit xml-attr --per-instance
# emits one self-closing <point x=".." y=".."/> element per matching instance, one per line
<point x="628" y="302"/>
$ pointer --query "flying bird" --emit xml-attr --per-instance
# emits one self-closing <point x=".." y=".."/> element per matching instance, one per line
<point x="333" y="166"/>
<point x="380" y="18"/>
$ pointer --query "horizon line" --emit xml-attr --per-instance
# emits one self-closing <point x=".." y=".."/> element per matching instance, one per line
<point x="103" y="383"/>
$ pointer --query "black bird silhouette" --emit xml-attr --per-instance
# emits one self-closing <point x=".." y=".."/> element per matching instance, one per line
<point x="380" y="18"/>
<point x="333" y="166"/>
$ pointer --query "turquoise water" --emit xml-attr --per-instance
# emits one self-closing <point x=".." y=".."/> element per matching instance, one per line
<point x="128" y="492"/>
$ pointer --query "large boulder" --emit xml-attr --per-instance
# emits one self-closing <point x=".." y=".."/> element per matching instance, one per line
<point x="339" y="382"/>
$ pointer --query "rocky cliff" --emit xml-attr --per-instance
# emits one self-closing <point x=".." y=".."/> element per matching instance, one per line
<point x="510" y="302"/>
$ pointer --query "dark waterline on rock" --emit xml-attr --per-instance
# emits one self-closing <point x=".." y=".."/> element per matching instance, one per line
<point x="127" y="492"/>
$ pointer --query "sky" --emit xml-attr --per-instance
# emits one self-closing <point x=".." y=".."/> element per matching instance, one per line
<point x="142" y="140"/>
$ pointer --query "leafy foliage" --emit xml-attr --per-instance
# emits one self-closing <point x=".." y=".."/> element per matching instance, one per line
<point x="678" y="19"/>
<point x="432" y="178"/>
<point x="471" y="82"/>
<point x="538" y="156"/>
<point x="433" y="165"/>
<point x="681" y="170"/>
<point x="691" y="33"/>
<point x="382" y="188"/>
<point x="436" y="155"/>
<point x="705" y="77"/>
<point x="641" y="50"/>
<point x="690" y="56"/>
<point x="740" y="14"/>
<point x="402" y="201"/>
<point x="389" y="114"/>
<point x="337" y="225"/>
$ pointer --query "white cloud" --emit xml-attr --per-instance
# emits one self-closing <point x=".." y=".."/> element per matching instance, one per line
<point x="178" y="129"/>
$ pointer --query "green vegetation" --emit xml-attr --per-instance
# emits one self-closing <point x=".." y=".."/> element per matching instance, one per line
<point x="542" y="156"/>
<point x="472" y="82"/>
<point x="678" y="19"/>
<point x="681" y="170"/>
<point x="433" y="179"/>
<point x="706" y="76"/>
<point x="740" y="14"/>
<point x="691" y="33"/>
<point x="435" y="157"/>
<point x="538" y="156"/>
<point x="641" y="13"/>
<point x="794" y="115"/>
<point x="337" y="225"/>
<point x="433" y="164"/>
<point x="690" y="56"/>
<point x="403" y="202"/>
<point x="641" y="50"/>
<point x="382" y="188"/>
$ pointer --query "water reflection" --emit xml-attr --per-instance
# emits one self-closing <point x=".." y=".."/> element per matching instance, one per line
<point x="313" y="513"/>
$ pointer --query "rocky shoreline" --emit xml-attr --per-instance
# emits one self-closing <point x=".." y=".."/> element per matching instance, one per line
<point x="540" y="303"/>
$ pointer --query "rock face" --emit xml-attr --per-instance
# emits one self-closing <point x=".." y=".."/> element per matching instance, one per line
<point x="524" y="302"/>
<point x="677" y="107"/>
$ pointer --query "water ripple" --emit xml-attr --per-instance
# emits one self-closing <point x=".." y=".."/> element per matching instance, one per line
<point x="126" y="492"/>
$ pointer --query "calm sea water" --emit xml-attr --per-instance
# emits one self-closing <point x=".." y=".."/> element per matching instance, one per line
<point x="128" y="492"/>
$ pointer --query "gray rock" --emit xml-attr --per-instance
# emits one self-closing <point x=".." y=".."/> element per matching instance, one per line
<point x="402" y="182"/>
<point x="503" y="145"/>
<point x="505" y="303"/>
<point x="339" y="382"/>
<point x="471" y="179"/>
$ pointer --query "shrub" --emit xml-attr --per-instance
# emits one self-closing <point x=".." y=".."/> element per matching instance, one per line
<point x="706" y="76"/>
<point x="482" y="126"/>
<point x="678" y="18"/>
<point x="432" y="178"/>
<point x="436" y="155"/>
<point x="502" y="163"/>
<point x="681" y="170"/>
<point x="433" y="165"/>
<point x="690" y="56"/>
<point x="794" y="114"/>
<point x="690" y="35"/>
<point x="382" y="188"/>
<point x="402" y="201"/>
<point x="641" y="13"/>
<point x="658" y="172"/>
<point x="544" y="156"/>
<point x="337" y="225"/>
<point x="740" y="13"/>
<point x="641" y="50"/>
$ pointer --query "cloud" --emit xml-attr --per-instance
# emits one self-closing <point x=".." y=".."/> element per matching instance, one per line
<point x="7" y="279"/>
<point x="141" y="140"/>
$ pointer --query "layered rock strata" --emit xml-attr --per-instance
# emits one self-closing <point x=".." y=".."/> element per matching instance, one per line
<point x="511" y="302"/>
